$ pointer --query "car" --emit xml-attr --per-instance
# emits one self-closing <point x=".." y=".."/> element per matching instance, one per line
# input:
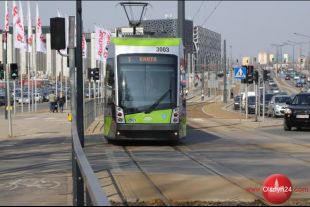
<point x="275" y="90"/>
<point x="2" y="100"/>
<point x="237" y="103"/>
<point x="277" y="105"/>
<point x="297" y="113"/>
<point x="287" y="77"/>
<point x="299" y="84"/>
<point x="268" y="97"/>
<point x="38" y="98"/>
<point x="251" y="104"/>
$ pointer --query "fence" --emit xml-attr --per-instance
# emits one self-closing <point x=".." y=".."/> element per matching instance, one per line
<point x="92" y="109"/>
<point x="84" y="177"/>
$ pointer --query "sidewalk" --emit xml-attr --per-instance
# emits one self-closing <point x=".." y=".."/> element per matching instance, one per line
<point x="220" y="110"/>
<point x="36" y="162"/>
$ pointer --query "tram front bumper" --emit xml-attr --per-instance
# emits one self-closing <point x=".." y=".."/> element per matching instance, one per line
<point x="148" y="131"/>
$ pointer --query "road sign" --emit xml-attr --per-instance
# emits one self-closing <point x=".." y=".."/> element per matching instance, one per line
<point x="240" y="73"/>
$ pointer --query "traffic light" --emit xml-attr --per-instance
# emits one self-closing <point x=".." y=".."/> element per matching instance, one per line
<point x="245" y="80"/>
<point x="14" y="70"/>
<point x="1" y="71"/>
<point x="256" y="76"/>
<point x="96" y="74"/>
<point x="90" y="73"/>
<point x="250" y="74"/>
<point x="58" y="33"/>
<point x="265" y="75"/>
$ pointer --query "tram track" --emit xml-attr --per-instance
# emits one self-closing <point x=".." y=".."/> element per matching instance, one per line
<point x="180" y="149"/>
<point x="165" y="201"/>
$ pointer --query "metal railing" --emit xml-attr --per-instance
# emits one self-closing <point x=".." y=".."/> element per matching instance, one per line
<point x="84" y="177"/>
<point x="92" y="108"/>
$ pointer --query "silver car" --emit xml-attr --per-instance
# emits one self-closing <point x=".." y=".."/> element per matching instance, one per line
<point x="277" y="105"/>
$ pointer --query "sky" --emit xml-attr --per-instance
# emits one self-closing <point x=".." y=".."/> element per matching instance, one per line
<point x="248" y="27"/>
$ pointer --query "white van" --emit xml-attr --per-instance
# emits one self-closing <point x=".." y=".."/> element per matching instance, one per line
<point x="250" y="93"/>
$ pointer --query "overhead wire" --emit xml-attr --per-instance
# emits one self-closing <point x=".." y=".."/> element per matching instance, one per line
<point x="197" y="12"/>
<point x="208" y="17"/>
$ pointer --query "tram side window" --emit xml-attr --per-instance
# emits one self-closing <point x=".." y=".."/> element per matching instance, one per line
<point x="110" y="85"/>
<point x="110" y="72"/>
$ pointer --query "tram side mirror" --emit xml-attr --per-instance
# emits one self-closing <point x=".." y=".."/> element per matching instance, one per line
<point x="288" y="102"/>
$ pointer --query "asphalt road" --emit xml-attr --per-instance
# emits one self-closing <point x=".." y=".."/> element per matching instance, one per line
<point x="217" y="163"/>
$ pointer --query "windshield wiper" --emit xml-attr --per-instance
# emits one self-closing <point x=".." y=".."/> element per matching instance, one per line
<point x="149" y="110"/>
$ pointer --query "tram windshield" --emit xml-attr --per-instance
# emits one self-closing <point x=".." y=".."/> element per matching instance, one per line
<point x="147" y="82"/>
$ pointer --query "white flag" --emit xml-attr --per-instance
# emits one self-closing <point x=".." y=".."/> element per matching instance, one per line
<point x="16" y="21"/>
<point x="84" y="47"/>
<point x="97" y="39"/>
<point x="6" y="23"/>
<point x="29" y="40"/>
<point x="21" y="28"/>
<point x="107" y="43"/>
<point x="40" y="40"/>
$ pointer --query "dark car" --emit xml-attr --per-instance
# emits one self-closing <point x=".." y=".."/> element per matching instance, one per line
<point x="2" y="100"/>
<point x="251" y="104"/>
<point x="237" y="103"/>
<point x="297" y="114"/>
<point x="299" y="84"/>
<point x="287" y="77"/>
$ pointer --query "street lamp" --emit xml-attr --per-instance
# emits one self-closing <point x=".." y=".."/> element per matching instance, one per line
<point x="277" y="55"/>
<point x="306" y="36"/>
<point x="293" y="60"/>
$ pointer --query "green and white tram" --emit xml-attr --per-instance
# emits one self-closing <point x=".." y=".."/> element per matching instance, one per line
<point x="144" y="95"/>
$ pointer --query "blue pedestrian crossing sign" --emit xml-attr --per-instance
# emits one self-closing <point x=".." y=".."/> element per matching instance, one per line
<point x="240" y="73"/>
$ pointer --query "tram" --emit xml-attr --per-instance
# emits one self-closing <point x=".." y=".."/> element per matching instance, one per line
<point x="144" y="94"/>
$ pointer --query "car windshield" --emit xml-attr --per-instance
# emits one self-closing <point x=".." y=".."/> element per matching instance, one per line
<point x="301" y="100"/>
<point x="251" y="99"/>
<point x="283" y="99"/>
<point x="237" y="98"/>
<point x="267" y="97"/>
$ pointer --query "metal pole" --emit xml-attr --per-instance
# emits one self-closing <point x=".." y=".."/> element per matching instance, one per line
<point x="6" y="93"/>
<point x="66" y="85"/>
<point x="203" y="80"/>
<point x="14" y="92"/>
<point x="79" y="91"/>
<point x="56" y="84"/>
<point x="75" y="170"/>
<point x="9" y="101"/>
<point x="89" y="89"/>
<point x="35" y="86"/>
<point x="28" y="65"/>
<point x="181" y="19"/>
<point x="293" y="57"/>
<point x="225" y="75"/>
<point x="256" y="101"/>
<point x="22" y="92"/>
<point x="246" y="101"/>
<point x="61" y="76"/>
<point x="264" y="99"/>
<point x="13" y="61"/>
<point x="94" y="91"/>
<point x="5" y="62"/>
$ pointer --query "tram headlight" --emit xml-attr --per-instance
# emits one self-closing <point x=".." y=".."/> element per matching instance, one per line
<point x="175" y="116"/>
<point x="120" y="118"/>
